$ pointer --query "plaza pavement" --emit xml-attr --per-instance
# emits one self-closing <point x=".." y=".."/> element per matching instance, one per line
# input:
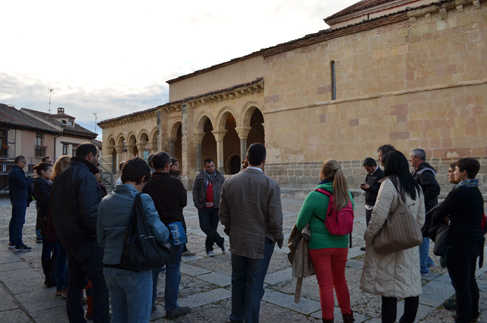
<point x="206" y="286"/>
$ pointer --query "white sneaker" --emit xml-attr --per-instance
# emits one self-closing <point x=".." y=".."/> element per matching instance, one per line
<point x="210" y="254"/>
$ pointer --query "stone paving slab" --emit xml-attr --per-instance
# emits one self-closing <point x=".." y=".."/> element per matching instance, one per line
<point x="40" y="299"/>
<point x="305" y="306"/>
<point x="423" y="311"/>
<point x="56" y="314"/>
<point x="339" y="318"/>
<point x="18" y="265"/>
<point x="193" y="270"/>
<point x="435" y="293"/>
<point x="7" y="301"/>
<point x="15" y="316"/>
<point x="205" y="298"/>
<point x="279" y="276"/>
<point x="217" y="279"/>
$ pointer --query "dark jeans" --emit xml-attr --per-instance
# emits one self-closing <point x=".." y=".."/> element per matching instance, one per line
<point x="17" y="221"/>
<point x="248" y="284"/>
<point x="209" y="223"/>
<point x="368" y="215"/>
<point x="461" y="263"/>
<point x="56" y="250"/>
<point x="173" y="278"/>
<point x="389" y="309"/>
<point x="85" y="262"/>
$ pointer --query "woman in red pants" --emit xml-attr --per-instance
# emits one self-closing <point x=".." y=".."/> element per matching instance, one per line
<point x="328" y="252"/>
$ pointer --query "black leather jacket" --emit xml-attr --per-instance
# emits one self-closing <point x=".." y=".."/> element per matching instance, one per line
<point x="425" y="176"/>
<point x="199" y="190"/>
<point x="76" y="195"/>
<point x="374" y="186"/>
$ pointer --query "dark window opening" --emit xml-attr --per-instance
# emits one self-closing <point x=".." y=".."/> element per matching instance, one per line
<point x="333" y="81"/>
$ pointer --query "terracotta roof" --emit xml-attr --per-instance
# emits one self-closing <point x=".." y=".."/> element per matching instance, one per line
<point x="357" y="7"/>
<point x="16" y="119"/>
<point x="257" y="80"/>
<point x="51" y="118"/>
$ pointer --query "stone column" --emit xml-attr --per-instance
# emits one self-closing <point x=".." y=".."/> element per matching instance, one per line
<point x="70" y="149"/>
<point x="130" y="151"/>
<point x="243" y="133"/>
<point x="219" y="135"/>
<point x="119" y="149"/>
<point x="159" y="132"/>
<point x="141" y="148"/>
<point x="172" y="146"/>
<point x="198" y="139"/>
<point x="152" y="146"/>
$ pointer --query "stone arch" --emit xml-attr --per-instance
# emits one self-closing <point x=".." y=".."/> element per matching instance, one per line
<point x="222" y="117"/>
<point x="111" y="141"/>
<point x="201" y="120"/>
<point x="248" y="110"/>
<point x="174" y="128"/>
<point x="229" y="156"/>
<point x="121" y="138"/>
<point x="153" y="137"/>
<point x="132" y="138"/>
<point x="141" y="134"/>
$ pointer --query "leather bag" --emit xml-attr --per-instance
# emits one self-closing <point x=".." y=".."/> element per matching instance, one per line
<point x="439" y="234"/>
<point x="141" y="250"/>
<point x="400" y="231"/>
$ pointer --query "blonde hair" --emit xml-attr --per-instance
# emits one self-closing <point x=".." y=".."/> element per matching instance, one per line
<point x="60" y="165"/>
<point x="332" y="170"/>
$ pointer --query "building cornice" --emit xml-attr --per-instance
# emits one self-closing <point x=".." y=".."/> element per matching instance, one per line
<point x="133" y="117"/>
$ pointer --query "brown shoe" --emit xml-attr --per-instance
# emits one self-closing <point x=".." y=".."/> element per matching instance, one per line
<point x="348" y="318"/>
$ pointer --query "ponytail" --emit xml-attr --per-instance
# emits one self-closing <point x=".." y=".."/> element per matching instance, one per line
<point x="41" y="167"/>
<point x="332" y="170"/>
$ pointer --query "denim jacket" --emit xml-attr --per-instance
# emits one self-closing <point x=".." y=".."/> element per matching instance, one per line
<point x="113" y="218"/>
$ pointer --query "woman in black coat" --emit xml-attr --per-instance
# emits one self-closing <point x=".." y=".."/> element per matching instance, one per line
<point x="464" y="207"/>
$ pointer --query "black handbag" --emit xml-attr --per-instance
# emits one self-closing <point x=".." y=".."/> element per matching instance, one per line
<point x="141" y="250"/>
<point x="439" y="234"/>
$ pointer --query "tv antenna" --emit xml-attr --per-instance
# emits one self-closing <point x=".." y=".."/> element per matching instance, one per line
<point x="50" y="91"/>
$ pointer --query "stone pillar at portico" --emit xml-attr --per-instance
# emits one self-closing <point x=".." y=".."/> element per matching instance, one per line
<point x="243" y="133"/>
<point x="172" y="146"/>
<point x="140" y="149"/>
<point x="119" y="149"/>
<point x="152" y="146"/>
<point x="198" y="139"/>
<point x="130" y="150"/>
<point x="219" y="135"/>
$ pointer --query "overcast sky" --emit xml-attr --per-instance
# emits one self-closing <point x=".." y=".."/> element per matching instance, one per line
<point x="114" y="57"/>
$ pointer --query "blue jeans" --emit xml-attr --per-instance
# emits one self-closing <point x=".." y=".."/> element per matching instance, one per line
<point x="461" y="263"/>
<point x="85" y="262"/>
<point x="130" y="294"/>
<point x="208" y="224"/>
<point x="19" y="207"/>
<point x="58" y="252"/>
<point x="248" y="284"/>
<point x="173" y="278"/>
<point x="424" y="259"/>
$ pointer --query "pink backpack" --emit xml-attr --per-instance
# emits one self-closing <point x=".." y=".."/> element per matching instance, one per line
<point x="338" y="222"/>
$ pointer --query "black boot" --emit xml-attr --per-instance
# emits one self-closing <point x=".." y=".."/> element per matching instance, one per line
<point x="348" y="318"/>
<point x="51" y="276"/>
<point x="328" y="321"/>
<point x="46" y="263"/>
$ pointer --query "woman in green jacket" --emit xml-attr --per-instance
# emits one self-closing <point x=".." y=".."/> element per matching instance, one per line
<point x="327" y="251"/>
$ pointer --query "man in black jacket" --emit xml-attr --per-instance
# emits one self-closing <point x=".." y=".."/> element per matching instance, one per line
<point x="170" y="197"/>
<point x="425" y="176"/>
<point x="19" y="186"/>
<point x="75" y="198"/>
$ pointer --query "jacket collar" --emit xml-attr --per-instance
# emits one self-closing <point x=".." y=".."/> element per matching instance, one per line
<point x="81" y="161"/>
<point x="160" y="174"/>
<point x="126" y="189"/>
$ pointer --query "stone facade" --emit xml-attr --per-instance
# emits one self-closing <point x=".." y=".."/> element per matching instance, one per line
<point x="415" y="79"/>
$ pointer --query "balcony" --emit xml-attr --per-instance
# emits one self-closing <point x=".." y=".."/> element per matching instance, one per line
<point x="40" y="151"/>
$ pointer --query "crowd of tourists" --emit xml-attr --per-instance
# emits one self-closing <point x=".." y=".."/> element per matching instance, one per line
<point x="87" y="243"/>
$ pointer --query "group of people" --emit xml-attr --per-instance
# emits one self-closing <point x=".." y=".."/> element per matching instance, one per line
<point x="84" y="225"/>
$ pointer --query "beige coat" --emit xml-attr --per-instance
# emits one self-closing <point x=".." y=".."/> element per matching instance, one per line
<point x="250" y="210"/>
<point x="396" y="274"/>
<point x="299" y="257"/>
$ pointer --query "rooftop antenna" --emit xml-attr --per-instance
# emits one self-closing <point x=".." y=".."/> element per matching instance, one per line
<point x="50" y="91"/>
<point x="96" y="117"/>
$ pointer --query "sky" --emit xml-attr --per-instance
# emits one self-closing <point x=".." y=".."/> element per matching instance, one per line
<point x="112" y="58"/>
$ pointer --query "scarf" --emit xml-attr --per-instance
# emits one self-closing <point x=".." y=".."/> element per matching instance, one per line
<point x="209" y="178"/>
<point x="468" y="183"/>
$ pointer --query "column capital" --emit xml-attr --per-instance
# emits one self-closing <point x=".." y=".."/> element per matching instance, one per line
<point x="243" y="132"/>
<point x="141" y="146"/>
<point x="130" y="148"/>
<point x="119" y="148"/>
<point x="219" y="134"/>
<point x="198" y="137"/>
<point x="152" y="146"/>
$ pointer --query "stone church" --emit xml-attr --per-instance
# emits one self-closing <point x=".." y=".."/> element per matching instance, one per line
<point x="411" y="73"/>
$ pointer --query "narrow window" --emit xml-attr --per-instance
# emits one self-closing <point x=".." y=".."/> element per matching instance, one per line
<point x="333" y="81"/>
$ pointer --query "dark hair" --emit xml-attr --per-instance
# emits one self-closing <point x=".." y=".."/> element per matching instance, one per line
<point x="173" y="161"/>
<point x="397" y="169"/>
<point x="149" y="159"/>
<point x="41" y="167"/>
<point x="121" y="165"/>
<point x="85" y="149"/>
<point x="45" y="158"/>
<point x="160" y="160"/>
<point x="18" y="158"/>
<point x="420" y="153"/>
<point x="385" y="149"/>
<point x="256" y="154"/>
<point x="208" y="160"/>
<point x="134" y="169"/>
<point x="369" y="162"/>
<point x="471" y="165"/>
<point x="452" y="165"/>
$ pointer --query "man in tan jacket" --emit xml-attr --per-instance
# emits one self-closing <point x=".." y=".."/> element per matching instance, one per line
<point x="250" y="210"/>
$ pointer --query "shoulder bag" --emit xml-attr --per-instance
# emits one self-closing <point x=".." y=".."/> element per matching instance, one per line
<point x="400" y="231"/>
<point x="141" y="250"/>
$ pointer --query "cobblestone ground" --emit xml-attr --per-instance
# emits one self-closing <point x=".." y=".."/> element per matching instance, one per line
<point x="205" y="283"/>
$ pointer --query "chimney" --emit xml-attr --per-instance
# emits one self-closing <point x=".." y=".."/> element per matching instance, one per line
<point x="60" y="110"/>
